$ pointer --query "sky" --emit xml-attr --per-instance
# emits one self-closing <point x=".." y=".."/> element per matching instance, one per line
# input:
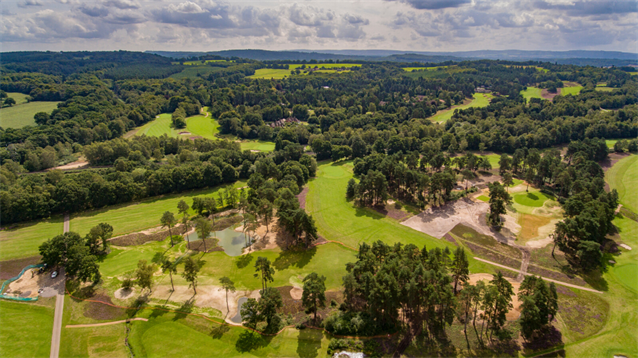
<point x="408" y="25"/>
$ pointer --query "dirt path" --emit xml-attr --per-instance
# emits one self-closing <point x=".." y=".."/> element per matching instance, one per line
<point x="105" y="323"/>
<point x="544" y="278"/>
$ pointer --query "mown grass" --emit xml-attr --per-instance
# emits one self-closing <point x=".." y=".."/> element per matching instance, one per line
<point x="20" y="98"/>
<point x="270" y="73"/>
<point x="132" y="217"/>
<point x="534" y="199"/>
<point x="156" y="128"/>
<point x="323" y="66"/>
<point x="480" y="100"/>
<point x="623" y="177"/>
<point x="604" y="88"/>
<point x="205" y="127"/>
<point x="25" y="329"/>
<point x="21" y="115"/>
<point x="194" y="72"/>
<point x="610" y="143"/>
<point x="531" y="92"/>
<point x="257" y="145"/>
<point x="94" y="342"/>
<point x="571" y="90"/>
<point x="23" y="240"/>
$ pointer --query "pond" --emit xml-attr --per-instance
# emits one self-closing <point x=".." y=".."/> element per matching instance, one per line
<point x="237" y="317"/>
<point x="230" y="240"/>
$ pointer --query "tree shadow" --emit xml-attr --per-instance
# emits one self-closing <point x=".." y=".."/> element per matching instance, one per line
<point x="368" y="212"/>
<point x="596" y="280"/>
<point x="139" y="304"/>
<point x="186" y="308"/>
<point x="298" y="258"/>
<point x="309" y="343"/>
<point x="244" y="260"/>
<point x="219" y="331"/>
<point x="546" y="338"/>
<point x="249" y="340"/>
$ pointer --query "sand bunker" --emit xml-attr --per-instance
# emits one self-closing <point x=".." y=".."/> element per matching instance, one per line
<point x="296" y="293"/>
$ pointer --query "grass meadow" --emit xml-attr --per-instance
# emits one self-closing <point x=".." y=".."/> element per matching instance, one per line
<point x="22" y="240"/>
<point x="205" y="127"/>
<point x="21" y="115"/>
<point x="132" y="217"/>
<point x="194" y="72"/>
<point x="480" y="100"/>
<point x="25" y="329"/>
<point x="158" y="127"/>
<point x="623" y="176"/>
<point x="571" y="89"/>
<point x="257" y="145"/>
<point x="531" y="92"/>
<point x="268" y="73"/>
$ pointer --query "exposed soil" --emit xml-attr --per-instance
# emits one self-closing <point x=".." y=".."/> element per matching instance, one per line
<point x="12" y="268"/>
<point x="211" y="245"/>
<point x="515" y="312"/>
<point x="142" y="237"/>
<point x="550" y="96"/>
<point x="31" y="281"/>
<point x="302" y="198"/>
<point x="391" y="211"/>
<point x="612" y="158"/>
<point x="296" y="293"/>
<point x="100" y="311"/>
<point x="531" y="224"/>
<point x="73" y="165"/>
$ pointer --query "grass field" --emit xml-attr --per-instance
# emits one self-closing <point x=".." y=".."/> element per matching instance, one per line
<point x="410" y="69"/>
<point x="483" y="198"/>
<point x="269" y="73"/>
<point x="324" y="66"/>
<point x="138" y="216"/>
<point x="194" y="72"/>
<point x="533" y="199"/>
<point x="623" y="176"/>
<point x="94" y="342"/>
<point x="202" y="126"/>
<point x="604" y="88"/>
<point x="531" y="92"/>
<point x="25" y="238"/>
<point x="571" y="90"/>
<point x="25" y="329"/>
<point x="257" y="145"/>
<point x="21" y="115"/>
<point x="158" y="127"/>
<point x="20" y="98"/>
<point x="480" y="100"/>
<point x="610" y="143"/>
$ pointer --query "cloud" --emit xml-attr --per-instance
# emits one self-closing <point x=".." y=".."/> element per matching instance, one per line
<point x="27" y="3"/>
<point x="122" y="4"/>
<point x="590" y="7"/>
<point x="434" y="4"/>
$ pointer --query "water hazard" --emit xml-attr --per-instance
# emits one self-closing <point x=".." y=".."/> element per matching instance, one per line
<point x="230" y="240"/>
<point x="237" y="317"/>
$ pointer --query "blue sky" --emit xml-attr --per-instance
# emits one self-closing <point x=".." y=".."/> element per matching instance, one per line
<point x="419" y="25"/>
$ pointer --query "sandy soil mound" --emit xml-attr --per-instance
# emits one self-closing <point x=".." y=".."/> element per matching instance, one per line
<point x="439" y="221"/>
<point x="207" y="296"/>
<point x="31" y="282"/>
<point x="296" y="293"/>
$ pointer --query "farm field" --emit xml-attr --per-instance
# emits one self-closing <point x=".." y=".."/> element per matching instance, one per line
<point x="480" y="100"/>
<point x="20" y="98"/>
<point x="132" y="217"/>
<point x="25" y="329"/>
<point x="21" y="115"/>
<point x="623" y="176"/>
<point x="23" y="240"/>
<point x="531" y="92"/>
<point x="268" y="73"/>
<point x="327" y="66"/>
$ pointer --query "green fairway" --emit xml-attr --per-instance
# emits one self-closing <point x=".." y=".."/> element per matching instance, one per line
<point x="623" y="176"/>
<point x="628" y="275"/>
<point x="137" y="216"/>
<point x="101" y="341"/>
<point x="257" y="145"/>
<point x="202" y="126"/>
<point x="610" y="143"/>
<point x="533" y="199"/>
<point x="195" y="72"/>
<point x="159" y="126"/>
<point x="21" y="115"/>
<point x="24" y="239"/>
<point x="571" y="90"/>
<point x="20" y="98"/>
<point x="269" y="73"/>
<point x="340" y="220"/>
<point x="480" y="100"/>
<point x="531" y="92"/>
<point x="25" y="329"/>
<point x="483" y="198"/>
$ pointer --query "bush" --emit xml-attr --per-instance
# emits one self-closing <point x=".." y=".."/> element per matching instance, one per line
<point x="127" y="284"/>
<point x="334" y="303"/>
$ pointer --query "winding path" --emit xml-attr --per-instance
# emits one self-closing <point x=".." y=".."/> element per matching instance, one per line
<point x="105" y="323"/>
<point x="544" y="278"/>
<point x="59" y="308"/>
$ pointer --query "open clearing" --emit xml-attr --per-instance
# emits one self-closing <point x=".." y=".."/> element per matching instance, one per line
<point x="531" y="92"/>
<point x="257" y="145"/>
<point x="25" y="329"/>
<point x="132" y="217"/>
<point x="571" y="88"/>
<point x="158" y="127"/>
<point x="21" y="115"/>
<point x="268" y="73"/>
<point x="480" y="100"/>
<point x="23" y="240"/>
<point x="194" y="72"/>
<point x="623" y="176"/>
<point x="203" y="126"/>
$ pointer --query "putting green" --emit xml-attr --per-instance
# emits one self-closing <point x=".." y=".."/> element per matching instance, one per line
<point x="627" y="275"/>
<point x="535" y="199"/>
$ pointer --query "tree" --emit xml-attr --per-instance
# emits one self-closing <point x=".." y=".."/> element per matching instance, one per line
<point x="227" y="285"/>
<point x="191" y="269"/>
<point x="71" y="252"/>
<point x="9" y="102"/>
<point x="507" y="180"/>
<point x="264" y="268"/>
<point x="203" y="228"/>
<point x="314" y="293"/>
<point x="504" y="163"/>
<point x="144" y="274"/>
<point x="529" y="177"/>
<point x="498" y="199"/>
<point x="250" y="313"/>
<point x="589" y="255"/>
<point x="460" y="268"/>
<point x="182" y="208"/>
<point x="41" y="118"/>
<point x="467" y="175"/>
<point x="168" y="220"/>
<point x="350" y="190"/>
<point x="467" y="299"/>
<point x="268" y="304"/>
<point x="99" y="234"/>
<point x="169" y="267"/>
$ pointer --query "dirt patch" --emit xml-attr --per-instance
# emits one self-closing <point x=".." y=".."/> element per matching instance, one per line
<point x="296" y="293"/>
<point x="302" y="198"/>
<point x="32" y="281"/>
<point x="255" y="150"/>
<point x="390" y="210"/>
<point x="437" y="221"/>
<point x="530" y="225"/>
<point x="100" y="311"/>
<point x="211" y="245"/>
<point x="548" y="95"/>
<point x="185" y="133"/>
<point x="12" y="268"/>
<point x="73" y="165"/>
<point x="612" y="158"/>
<point x="142" y="237"/>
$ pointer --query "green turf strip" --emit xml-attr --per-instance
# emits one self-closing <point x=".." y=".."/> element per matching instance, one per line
<point x="25" y="329"/>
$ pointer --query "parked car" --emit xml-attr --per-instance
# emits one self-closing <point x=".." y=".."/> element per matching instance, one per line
<point x="54" y="274"/>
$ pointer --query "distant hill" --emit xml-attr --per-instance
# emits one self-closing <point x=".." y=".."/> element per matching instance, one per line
<point x="580" y="57"/>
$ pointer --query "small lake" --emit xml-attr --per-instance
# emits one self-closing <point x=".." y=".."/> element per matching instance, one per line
<point x="230" y="240"/>
<point x="237" y="317"/>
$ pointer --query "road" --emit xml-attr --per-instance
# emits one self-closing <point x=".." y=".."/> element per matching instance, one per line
<point x="59" y="308"/>
<point x="544" y="278"/>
